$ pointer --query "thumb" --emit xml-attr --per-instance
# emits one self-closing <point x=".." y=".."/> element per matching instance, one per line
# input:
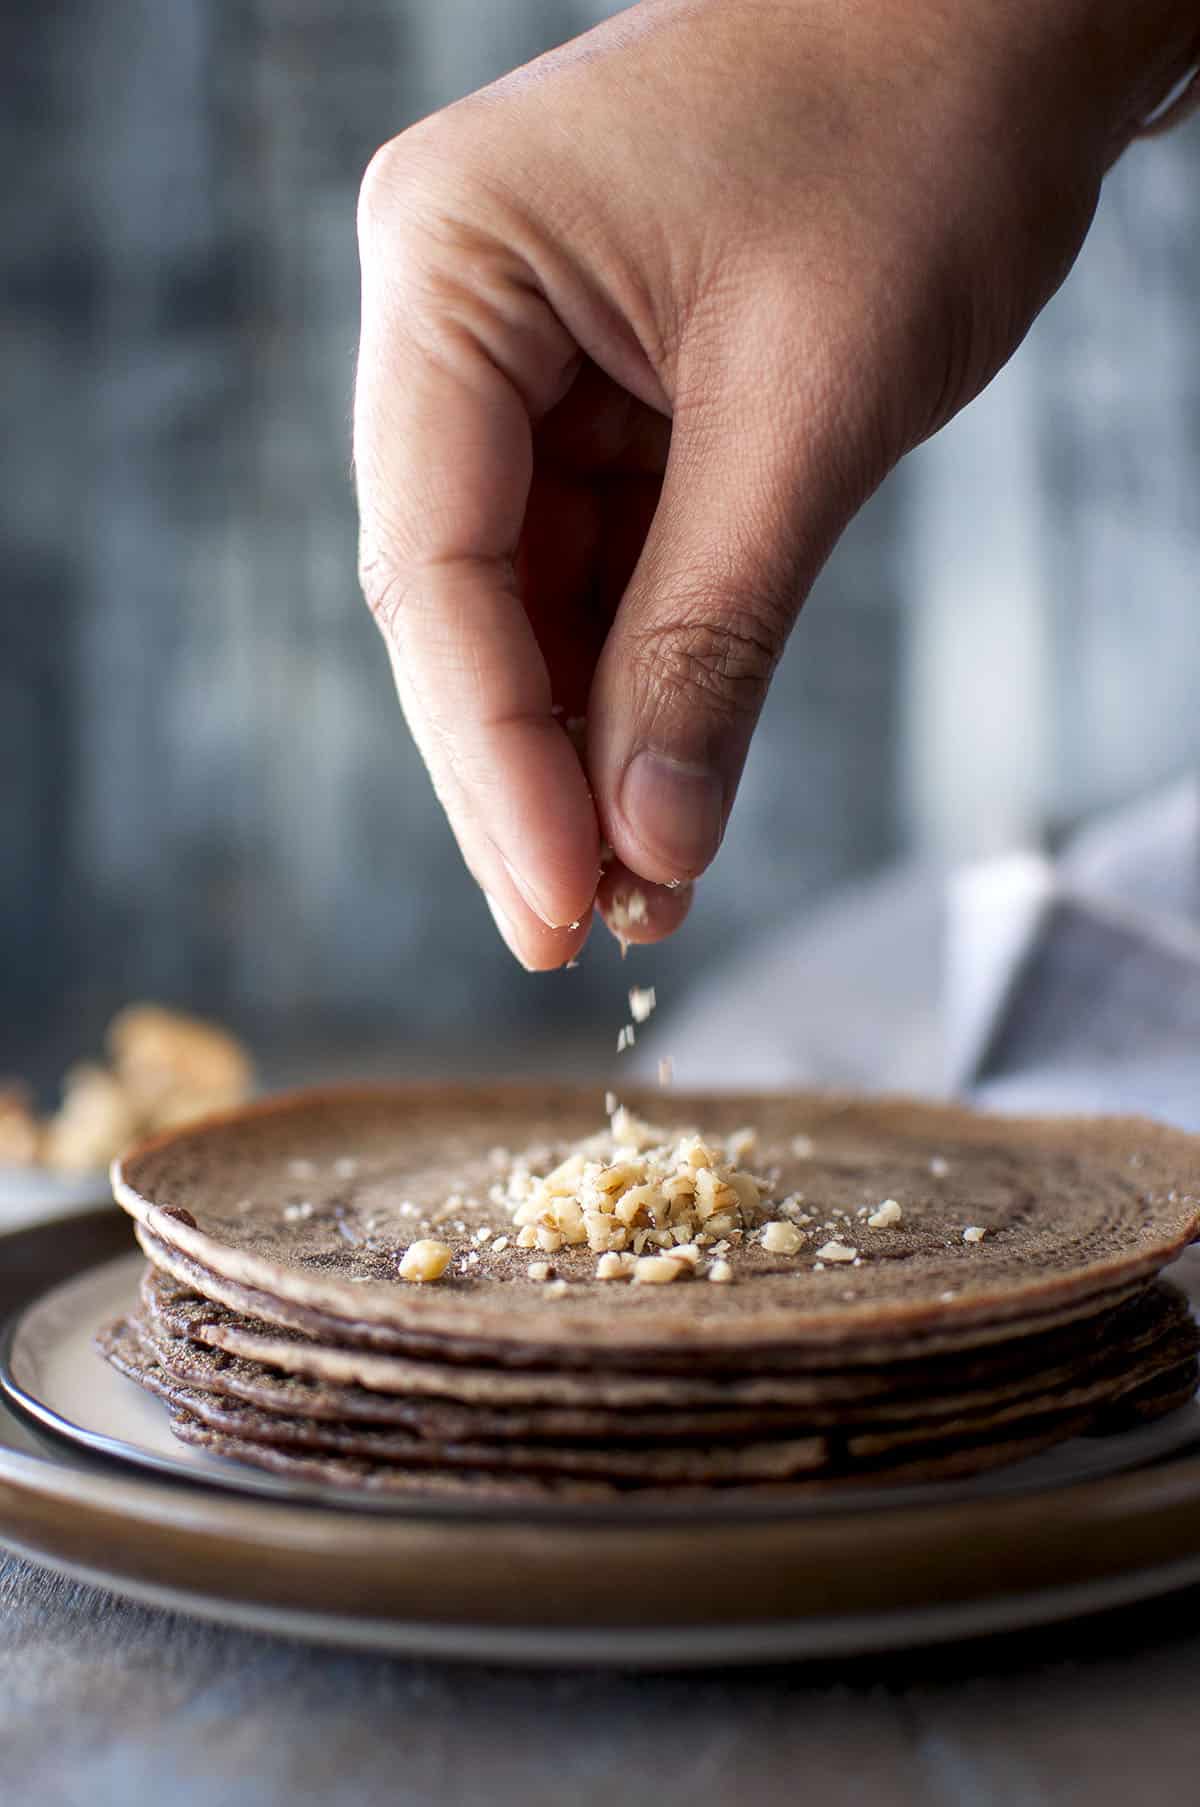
<point x="750" y="505"/>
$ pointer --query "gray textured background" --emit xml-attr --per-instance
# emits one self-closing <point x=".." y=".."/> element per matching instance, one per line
<point x="206" y="791"/>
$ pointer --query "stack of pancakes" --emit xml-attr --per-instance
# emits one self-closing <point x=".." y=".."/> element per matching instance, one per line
<point x="274" y="1325"/>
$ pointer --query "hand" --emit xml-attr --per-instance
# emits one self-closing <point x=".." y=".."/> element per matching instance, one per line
<point x="643" y="326"/>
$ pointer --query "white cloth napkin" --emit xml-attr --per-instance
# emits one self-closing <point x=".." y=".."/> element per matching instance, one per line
<point x="1023" y="982"/>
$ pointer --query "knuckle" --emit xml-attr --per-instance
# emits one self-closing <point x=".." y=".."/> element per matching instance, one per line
<point x="384" y="182"/>
<point x="404" y="179"/>
<point x="718" y="658"/>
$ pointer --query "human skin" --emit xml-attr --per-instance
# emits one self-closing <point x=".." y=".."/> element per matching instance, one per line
<point x="644" y="324"/>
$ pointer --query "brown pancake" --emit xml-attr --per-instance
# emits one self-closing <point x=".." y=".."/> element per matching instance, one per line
<point x="1072" y="1209"/>
<point x="1152" y="1399"/>
<point x="391" y="1461"/>
<point x="248" y="1304"/>
<point x="661" y="1464"/>
<point x="1155" y="1369"/>
<point x="352" y="1473"/>
<point x="231" y="1377"/>
<point x="179" y="1322"/>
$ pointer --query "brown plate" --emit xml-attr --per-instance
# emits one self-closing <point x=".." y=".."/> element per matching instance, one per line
<point x="497" y="1585"/>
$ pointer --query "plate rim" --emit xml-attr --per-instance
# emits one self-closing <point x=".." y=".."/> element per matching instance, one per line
<point x="57" y="1514"/>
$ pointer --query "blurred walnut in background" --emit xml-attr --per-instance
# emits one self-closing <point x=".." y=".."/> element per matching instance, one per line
<point x="18" y="1127"/>
<point x="164" y="1069"/>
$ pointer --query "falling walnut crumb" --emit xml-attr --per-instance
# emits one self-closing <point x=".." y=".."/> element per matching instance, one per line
<point x="625" y="1038"/>
<point x="888" y="1214"/>
<point x="641" y="1002"/>
<point x="424" y="1261"/>
<point x="666" y="1070"/>
<point x="625" y="913"/>
<point x="939" y="1166"/>
<point x="974" y="1233"/>
<point x="836" y="1251"/>
<point x="802" y="1147"/>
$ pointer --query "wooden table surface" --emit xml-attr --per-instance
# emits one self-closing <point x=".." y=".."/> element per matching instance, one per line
<point x="105" y="1702"/>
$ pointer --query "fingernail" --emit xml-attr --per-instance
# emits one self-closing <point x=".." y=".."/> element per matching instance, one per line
<point x="523" y="887"/>
<point x="675" y="809"/>
<point x="505" y="928"/>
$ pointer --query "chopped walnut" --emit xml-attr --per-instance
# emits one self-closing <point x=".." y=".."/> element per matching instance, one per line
<point x="174" y="1068"/>
<point x="641" y="1002"/>
<point x="836" y="1251"/>
<point x="95" y="1121"/>
<point x="424" y="1261"/>
<point x="888" y="1214"/>
<point x="781" y="1238"/>
<point x="19" y="1134"/>
<point x="657" y="1270"/>
<point x="637" y="1188"/>
<point x="615" y="1266"/>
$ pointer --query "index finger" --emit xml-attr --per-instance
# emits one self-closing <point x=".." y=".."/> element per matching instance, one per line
<point x="458" y="356"/>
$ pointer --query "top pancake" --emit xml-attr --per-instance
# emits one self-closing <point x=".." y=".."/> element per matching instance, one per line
<point x="310" y="1197"/>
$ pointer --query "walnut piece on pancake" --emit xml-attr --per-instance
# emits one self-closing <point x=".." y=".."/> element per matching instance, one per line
<point x="837" y="1251"/>
<point x="781" y="1238"/>
<point x="424" y="1261"/>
